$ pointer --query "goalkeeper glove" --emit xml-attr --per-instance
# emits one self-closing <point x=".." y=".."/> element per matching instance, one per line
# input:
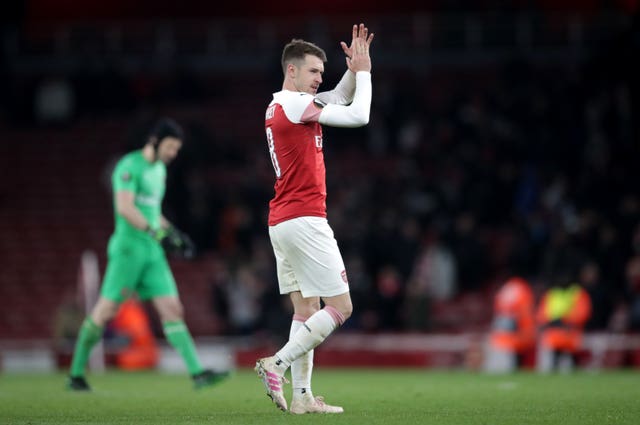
<point x="179" y="243"/>
<point x="174" y="241"/>
<point x="157" y="234"/>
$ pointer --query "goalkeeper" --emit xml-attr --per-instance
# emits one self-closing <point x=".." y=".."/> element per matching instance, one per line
<point x="137" y="261"/>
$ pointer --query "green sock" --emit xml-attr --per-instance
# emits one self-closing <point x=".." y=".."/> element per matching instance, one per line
<point x="88" y="337"/>
<point x="179" y="337"/>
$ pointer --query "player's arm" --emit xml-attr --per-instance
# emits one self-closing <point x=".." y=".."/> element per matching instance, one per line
<point x="126" y="207"/>
<point x="343" y="93"/>
<point x="354" y="115"/>
<point x="164" y="223"/>
<point x="314" y="109"/>
<point x="172" y="239"/>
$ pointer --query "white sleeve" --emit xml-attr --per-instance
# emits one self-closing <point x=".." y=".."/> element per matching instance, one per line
<point x="357" y="113"/>
<point x="294" y="105"/>
<point x="343" y="93"/>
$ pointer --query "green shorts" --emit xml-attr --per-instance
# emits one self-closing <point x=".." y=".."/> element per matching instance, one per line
<point x="136" y="266"/>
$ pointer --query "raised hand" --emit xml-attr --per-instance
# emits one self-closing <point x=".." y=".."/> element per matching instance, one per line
<point x="358" y="51"/>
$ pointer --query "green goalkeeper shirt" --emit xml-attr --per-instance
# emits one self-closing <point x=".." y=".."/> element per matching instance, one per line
<point x="133" y="173"/>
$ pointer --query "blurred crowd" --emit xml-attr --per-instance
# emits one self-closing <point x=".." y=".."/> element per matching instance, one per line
<point x="464" y="177"/>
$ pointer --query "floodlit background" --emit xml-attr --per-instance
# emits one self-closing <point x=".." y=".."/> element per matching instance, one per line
<point x="504" y="140"/>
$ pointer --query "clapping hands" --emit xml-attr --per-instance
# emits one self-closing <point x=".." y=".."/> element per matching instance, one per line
<point x="357" y="53"/>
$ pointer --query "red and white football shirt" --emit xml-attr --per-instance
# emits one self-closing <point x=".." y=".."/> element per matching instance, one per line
<point x="295" y="147"/>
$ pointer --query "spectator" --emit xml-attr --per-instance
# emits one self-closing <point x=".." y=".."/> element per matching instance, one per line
<point x="132" y="324"/>
<point x="561" y="316"/>
<point x="589" y="278"/>
<point x="633" y="291"/>
<point x="513" y="333"/>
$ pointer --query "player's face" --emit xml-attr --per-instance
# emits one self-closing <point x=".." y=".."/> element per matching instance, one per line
<point x="308" y="76"/>
<point x="168" y="149"/>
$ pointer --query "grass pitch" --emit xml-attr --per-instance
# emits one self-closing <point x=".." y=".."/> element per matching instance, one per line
<point x="369" y="396"/>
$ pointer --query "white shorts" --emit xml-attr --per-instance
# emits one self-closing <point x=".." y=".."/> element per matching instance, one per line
<point x="307" y="258"/>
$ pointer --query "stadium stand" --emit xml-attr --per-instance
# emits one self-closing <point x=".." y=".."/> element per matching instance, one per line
<point x="470" y="142"/>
